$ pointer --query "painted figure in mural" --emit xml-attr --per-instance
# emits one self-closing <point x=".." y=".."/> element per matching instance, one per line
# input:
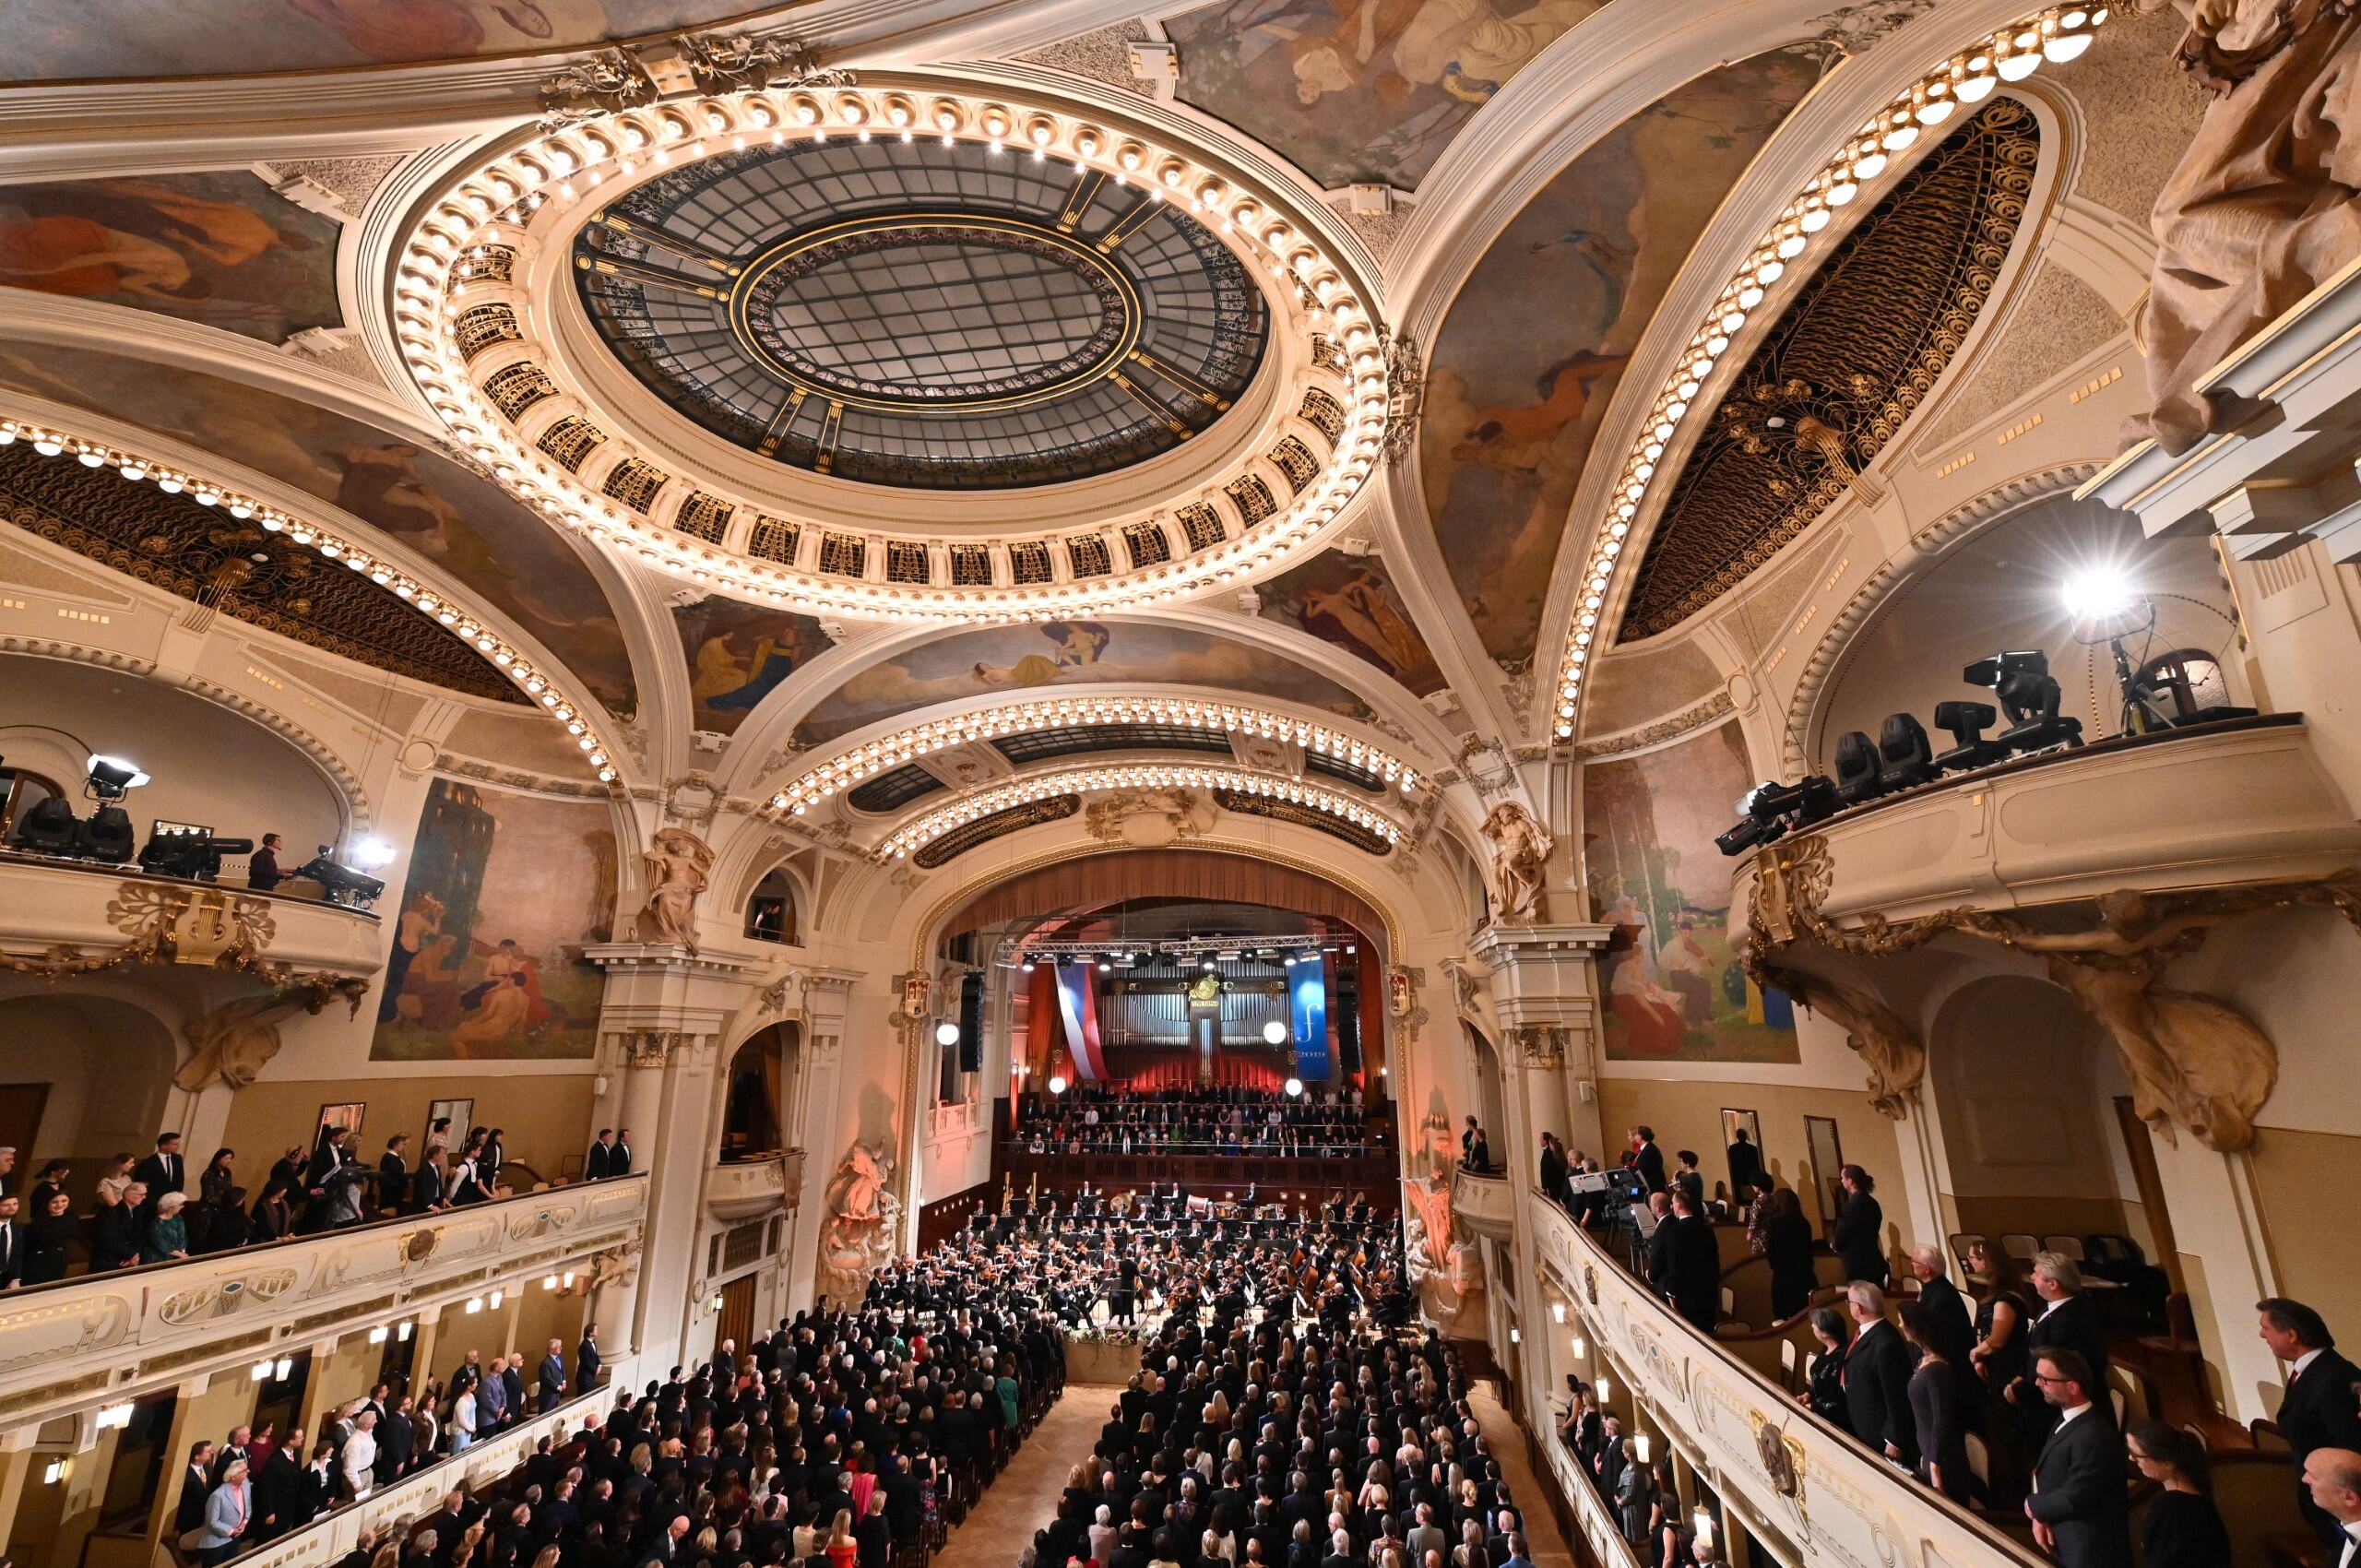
<point x="421" y="920"/>
<point x="1077" y="643"/>
<point x="1362" y="613"/>
<point x="732" y="683"/>
<point x="2265" y="204"/>
<point x="678" y="866"/>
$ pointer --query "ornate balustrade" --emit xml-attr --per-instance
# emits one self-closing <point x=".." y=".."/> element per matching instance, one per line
<point x="328" y="1538"/>
<point x="97" y="1339"/>
<point x="2236" y="801"/>
<point x="1484" y="1205"/>
<point x="63" y="917"/>
<point x="747" y="1189"/>
<point x="1820" y="1498"/>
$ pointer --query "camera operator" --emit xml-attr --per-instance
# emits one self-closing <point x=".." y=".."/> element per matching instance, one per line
<point x="262" y="866"/>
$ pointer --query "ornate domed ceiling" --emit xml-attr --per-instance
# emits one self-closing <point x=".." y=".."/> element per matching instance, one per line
<point x="909" y="313"/>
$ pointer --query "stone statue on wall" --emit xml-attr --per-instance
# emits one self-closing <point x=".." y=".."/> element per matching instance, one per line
<point x="1894" y="1055"/>
<point x="1520" y="860"/>
<point x="1447" y="1275"/>
<point x="2266" y="202"/>
<point x="678" y="866"/>
<point x="233" y="1043"/>
<point x="863" y="1225"/>
<point x="2194" y="1059"/>
<point x="1150" y="818"/>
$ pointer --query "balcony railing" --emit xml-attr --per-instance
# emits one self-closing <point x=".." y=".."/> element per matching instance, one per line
<point x="101" y="1338"/>
<point x="48" y="904"/>
<point x="745" y="1189"/>
<point x="1484" y="1202"/>
<point x="1792" y="1476"/>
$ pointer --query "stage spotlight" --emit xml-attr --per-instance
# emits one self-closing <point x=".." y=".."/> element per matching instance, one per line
<point x="1769" y="810"/>
<point x="1105" y="965"/>
<point x="1056" y="1082"/>
<point x="1274" y="1033"/>
<point x="108" y="836"/>
<point x="49" y="827"/>
<point x="1027" y="966"/>
<point x="1858" y="780"/>
<point x="1206" y="965"/>
<point x="111" y="778"/>
<point x="2028" y="694"/>
<point x="2099" y="594"/>
<point x="1295" y="1088"/>
<point x="946" y="1033"/>
<point x="1904" y="760"/>
<point x="373" y="854"/>
<point x="344" y="886"/>
<point x="1967" y="722"/>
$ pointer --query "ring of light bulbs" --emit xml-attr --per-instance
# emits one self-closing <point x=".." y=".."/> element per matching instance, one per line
<point x="427" y="601"/>
<point x="1132" y="776"/>
<point x="869" y="758"/>
<point x="2058" y="35"/>
<point x="529" y="185"/>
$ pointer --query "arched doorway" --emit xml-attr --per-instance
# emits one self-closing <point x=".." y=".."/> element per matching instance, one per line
<point x="755" y="1094"/>
<point x="82" y="1078"/>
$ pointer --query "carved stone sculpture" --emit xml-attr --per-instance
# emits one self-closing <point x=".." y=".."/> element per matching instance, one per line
<point x="1447" y="1275"/>
<point x="233" y="1042"/>
<point x="2265" y="204"/>
<point x="608" y="83"/>
<point x="1150" y="818"/>
<point x="1520" y="860"/>
<point x="2194" y="1059"/>
<point x="863" y="1224"/>
<point x="677" y="865"/>
<point x="1896" y="1059"/>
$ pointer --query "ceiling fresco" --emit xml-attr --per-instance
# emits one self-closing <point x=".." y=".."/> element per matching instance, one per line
<point x="59" y="40"/>
<point x="222" y="249"/>
<point x="1351" y="602"/>
<point x="1066" y="653"/>
<point x="739" y="654"/>
<point x="1529" y="357"/>
<point x="464" y="524"/>
<point x="1359" y="91"/>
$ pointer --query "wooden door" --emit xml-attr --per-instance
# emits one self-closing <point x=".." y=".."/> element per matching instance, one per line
<point x="736" y="1319"/>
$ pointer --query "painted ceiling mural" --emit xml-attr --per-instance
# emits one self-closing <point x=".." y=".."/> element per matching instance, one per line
<point x="1066" y="653"/>
<point x="55" y="39"/>
<point x="739" y="654"/>
<point x="1359" y="91"/>
<point x="466" y="525"/>
<point x="1530" y="353"/>
<point x="1350" y="601"/>
<point x="222" y="249"/>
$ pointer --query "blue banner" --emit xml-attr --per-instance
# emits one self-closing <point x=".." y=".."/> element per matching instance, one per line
<point x="1308" y="1015"/>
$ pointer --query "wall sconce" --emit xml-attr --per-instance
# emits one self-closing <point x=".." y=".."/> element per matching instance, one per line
<point x="261" y="1370"/>
<point x="568" y="1277"/>
<point x="1580" y="1348"/>
<point x="401" y="1331"/>
<point x="286" y="1365"/>
<point x="717" y="1301"/>
<point x="496" y="1296"/>
<point x="57" y="1470"/>
<point x="549" y="1282"/>
<point x="1558" y="1311"/>
<point x="475" y="1304"/>
<point x="1704" y="1520"/>
<point x="1641" y="1446"/>
<point x="1516" y="1336"/>
<point x="1606" y="1391"/>
<point x="115" y="1415"/>
<point x="377" y="1334"/>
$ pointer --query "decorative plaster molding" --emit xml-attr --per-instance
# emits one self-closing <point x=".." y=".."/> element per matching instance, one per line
<point x="1681" y="723"/>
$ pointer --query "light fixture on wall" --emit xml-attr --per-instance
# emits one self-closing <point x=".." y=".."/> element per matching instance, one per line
<point x="716" y="1302"/>
<point x="1517" y="1336"/>
<point x="475" y="1304"/>
<point x="1056" y="1082"/>
<point x="1606" y="1390"/>
<point x="1274" y="1033"/>
<point x="1582" y="1350"/>
<point x="377" y="1334"/>
<point x="1704" y="1520"/>
<point x="372" y="853"/>
<point x="549" y="1281"/>
<point x="56" y="1472"/>
<point x="401" y="1330"/>
<point x="497" y="1297"/>
<point x="946" y="1033"/>
<point x="1295" y="1088"/>
<point x="1641" y="1446"/>
<point x="115" y="1415"/>
<point x="260" y="1371"/>
<point x="1557" y="1312"/>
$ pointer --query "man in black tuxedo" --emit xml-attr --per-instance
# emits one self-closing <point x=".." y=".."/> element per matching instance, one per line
<point x="2067" y="1322"/>
<point x="393" y="1174"/>
<point x="432" y="1190"/>
<point x="1697" y="1263"/>
<point x="1878" y="1365"/>
<point x="161" y="1173"/>
<point x="619" y="1157"/>
<point x="598" y="1163"/>
<point x="278" y="1491"/>
<point x="2079" y="1507"/>
<point x="586" y="1359"/>
<point x="1646" y="1159"/>
<point x="2318" y="1409"/>
<point x="1746" y="1169"/>
<point x="1663" y="1256"/>
<point x="12" y="1247"/>
<point x="197" y="1485"/>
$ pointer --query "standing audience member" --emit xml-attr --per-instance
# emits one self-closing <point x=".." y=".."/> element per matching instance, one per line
<point x="2065" y="1322"/>
<point x="1696" y="1263"/>
<point x="167" y="1236"/>
<point x="1823" y="1393"/>
<point x="2183" y="1529"/>
<point x="53" y="1231"/>
<point x="2333" y="1478"/>
<point x="553" y="1389"/>
<point x="1877" y="1378"/>
<point x="161" y="1171"/>
<point x="1787" y="1244"/>
<point x="1746" y="1168"/>
<point x="229" y="1515"/>
<point x="393" y="1174"/>
<point x="597" y="1164"/>
<point x="2079" y="1508"/>
<point x="1859" y="1237"/>
<point x="117" y="1229"/>
<point x="2320" y="1408"/>
<point x="1936" y="1419"/>
<point x="1688" y="1179"/>
<point x="1646" y="1159"/>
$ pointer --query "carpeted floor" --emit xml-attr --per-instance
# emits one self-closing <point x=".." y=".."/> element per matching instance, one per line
<point x="1026" y="1496"/>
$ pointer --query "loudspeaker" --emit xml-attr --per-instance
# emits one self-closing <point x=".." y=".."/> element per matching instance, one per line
<point x="971" y="1022"/>
<point x="1348" y="1020"/>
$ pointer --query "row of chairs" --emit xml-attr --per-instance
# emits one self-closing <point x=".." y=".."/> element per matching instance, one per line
<point x="965" y="1485"/>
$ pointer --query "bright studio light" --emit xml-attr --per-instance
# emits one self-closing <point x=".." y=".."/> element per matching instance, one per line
<point x="1056" y="1082"/>
<point x="372" y="853"/>
<point x="1274" y="1033"/>
<point x="1295" y="1088"/>
<point x="946" y="1033"/>
<point x="2100" y="594"/>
